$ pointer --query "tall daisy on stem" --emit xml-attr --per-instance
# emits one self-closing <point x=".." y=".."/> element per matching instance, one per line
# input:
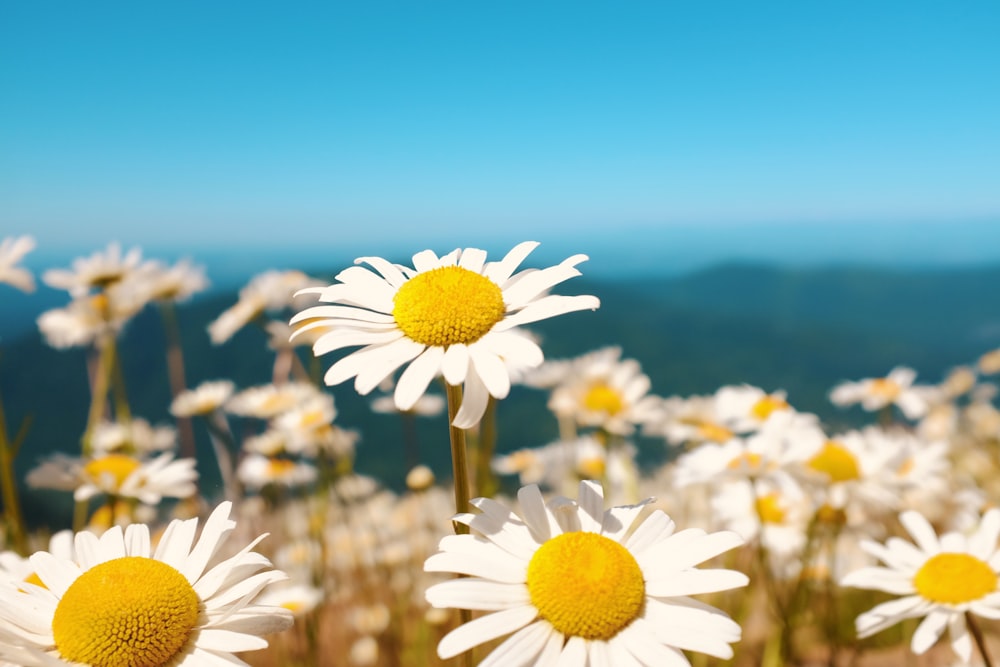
<point x="452" y="316"/>
<point x="948" y="581"/>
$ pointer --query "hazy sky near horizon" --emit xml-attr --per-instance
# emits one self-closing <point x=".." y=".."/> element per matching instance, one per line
<point x="244" y="122"/>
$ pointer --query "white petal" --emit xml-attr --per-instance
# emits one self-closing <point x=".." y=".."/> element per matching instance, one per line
<point x="476" y="593"/>
<point x="654" y="529"/>
<point x="591" y="504"/>
<point x="500" y="272"/>
<point x="929" y="631"/>
<point x="521" y="648"/>
<point x="922" y="531"/>
<point x="485" y="629"/>
<point x="418" y="375"/>
<point x="694" y="582"/>
<point x="546" y="307"/>
<point x="455" y="364"/>
<point x="491" y="370"/>
<point x="227" y="640"/>
<point x="475" y="398"/>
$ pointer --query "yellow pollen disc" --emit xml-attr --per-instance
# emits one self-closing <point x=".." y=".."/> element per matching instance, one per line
<point x="447" y="306"/>
<point x="763" y="408"/>
<point x="954" y="578"/>
<point x="313" y="418"/>
<point x="831" y="515"/>
<point x="586" y="585"/>
<point x="119" y="466"/>
<point x="769" y="508"/>
<point x="713" y="432"/>
<point x="591" y="468"/>
<point x="127" y="612"/>
<point x="746" y="460"/>
<point x="280" y="467"/>
<point x="836" y="461"/>
<point x="885" y="388"/>
<point x="601" y="397"/>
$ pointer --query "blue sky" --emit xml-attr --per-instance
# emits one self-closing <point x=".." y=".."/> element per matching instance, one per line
<point x="266" y="124"/>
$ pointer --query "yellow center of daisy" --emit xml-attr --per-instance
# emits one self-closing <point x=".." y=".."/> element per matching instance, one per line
<point x="447" y="306"/>
<point x="601" y="397"/>
<point x="132" y="611"/>
<point x="763" y="408"/>
<point x="280" y="467"/>
<point x="586" y="585"/>
<point x="769" y="508"/>
<point x="885" y="388"/>
<point x="954" y="578"/>
<point x="836" y="461"/>
<point x="118" y="466"/>
<point x="745" y="461"/>
<point x="712" y="432"/>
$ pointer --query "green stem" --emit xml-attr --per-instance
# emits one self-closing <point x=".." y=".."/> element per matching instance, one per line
<point x="99" y="392"/>
<point x="459" y="456"/>
<point x="486" y="481"/>
<point x="175" y="374"/>
<point x="8" y="484"/>
<point x="460" y="468"/>
<point x="123" y="413"/>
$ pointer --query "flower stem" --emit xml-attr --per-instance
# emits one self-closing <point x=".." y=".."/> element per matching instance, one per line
<point x="486" y="481"/>
<point x="977" y="634"/>
<point x="8" y="484"/>
<point x="175" y="373"/>
<point x="459" y="456"/>
<point x="460" y="468"/>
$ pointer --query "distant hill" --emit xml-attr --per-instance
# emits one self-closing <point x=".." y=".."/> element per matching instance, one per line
<point x="798" y="330"/>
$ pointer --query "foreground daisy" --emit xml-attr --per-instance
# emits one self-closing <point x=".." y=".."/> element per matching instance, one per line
<point x="450" y="316"/>
<point x="945" y="580"/>
<point x="578" y="586"/>
<point x="120" y="602"/>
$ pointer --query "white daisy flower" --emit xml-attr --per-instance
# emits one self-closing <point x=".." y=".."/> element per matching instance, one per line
<point x="300" y="599"/>
<point x="876" y="393"/>
<point x="578" y="585"/>
<point x="608" y="392"/>
<point x="100" y="271"/>
<point x="120" y="602"/>
<point x="745" y="408"/>
<point x="204" y="399"/>
<point x="256" y="471"/>
<point x="270" y="400"/>
<point x="137" y="436"/>
<point x="941" y="579"/>
<point x="117" y="475"/>
<point x="450" y="316"/>
<point x="269" y="291"/>
<point x="12" y="250"/>
<point x="85" y="319"/>
<point x="173" y="283"/>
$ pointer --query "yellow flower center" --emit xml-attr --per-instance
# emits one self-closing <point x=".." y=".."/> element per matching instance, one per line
<point x="885" y="388"/>
<point x="836" y="461"/>
<point x="33" y="578"/>
<point x="713" y="432"/>
<point x="953" y="578"/>
<point x="447" y="306"/>
<point x="601" y="397"/>
<point x="763" y="408"/>
<point x="745" y="461"/>
<point x="769" y="508"/>
<point x="280" y="467"/>
<point x="118" y="466"/>
<point x="132" y="612"/>
<point x="586" y="585"/>
<point x="591" y="467"/>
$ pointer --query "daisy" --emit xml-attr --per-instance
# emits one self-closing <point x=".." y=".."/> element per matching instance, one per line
<point x="136" y="436"/>
<point x="579" y="585"/>
<point x="945" y="580"/>
<point x="12" y="250"/>
<point x="173" y="283"/>
<point x="450" y="316"/>
<point x="117" y="475"/>
<point x="256" y="472"/>
<point x="267" y="292"/>
<point x="877" y="393"/>
<point x="204" y="399"/>
<point x="101" y="271"/>
<point x="87" y="318"/>
<point x="120" y="602"/>
<point x="609" y="393"/>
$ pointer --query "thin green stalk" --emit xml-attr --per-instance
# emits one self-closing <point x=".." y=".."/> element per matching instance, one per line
<point x="459" y="456"/>
<point x="486" y="481"/>
<point x="123" y="413"/>
<point x="175" y="373"/>
<point x="460" y="467"/>
<point x="11" y="502"/>
<point x="99" y="391"/>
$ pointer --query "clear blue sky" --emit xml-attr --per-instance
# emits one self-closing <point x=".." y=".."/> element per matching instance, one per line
<point x="208" y="122"/>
